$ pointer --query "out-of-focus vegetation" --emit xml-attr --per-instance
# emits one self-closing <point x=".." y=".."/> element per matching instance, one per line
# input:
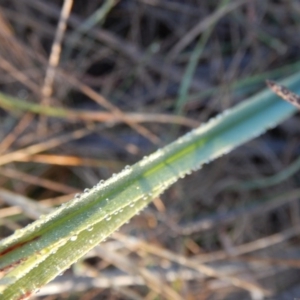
<point x="84" y="95"/>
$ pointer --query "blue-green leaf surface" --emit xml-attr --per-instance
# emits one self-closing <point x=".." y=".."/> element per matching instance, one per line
<point x="36" y="254"/>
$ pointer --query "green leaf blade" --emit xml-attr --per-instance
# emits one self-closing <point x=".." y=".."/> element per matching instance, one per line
<point x="44" y="249"/>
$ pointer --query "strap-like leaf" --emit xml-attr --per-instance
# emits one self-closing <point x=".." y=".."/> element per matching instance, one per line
<point x="36" y="254"/>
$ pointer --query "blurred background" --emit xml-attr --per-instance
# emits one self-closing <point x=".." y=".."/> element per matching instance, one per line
<point x="88" y="87"/>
